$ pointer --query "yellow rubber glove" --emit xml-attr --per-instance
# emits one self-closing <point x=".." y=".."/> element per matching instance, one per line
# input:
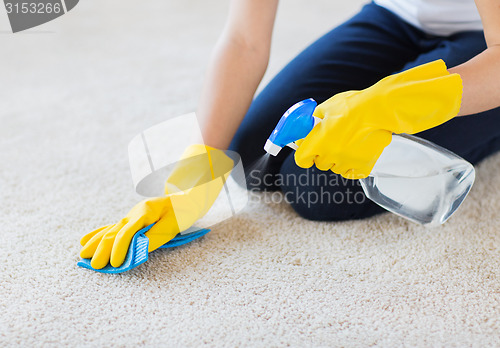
<point x="358" y="125"/>
<point x="191" y="189"/>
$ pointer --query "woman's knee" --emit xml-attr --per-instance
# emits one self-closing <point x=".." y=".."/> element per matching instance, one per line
<point x="340" y="205"/>
<point x="324" y="196"/>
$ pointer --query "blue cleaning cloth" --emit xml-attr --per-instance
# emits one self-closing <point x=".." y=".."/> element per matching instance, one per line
<point x="138" y="250"/>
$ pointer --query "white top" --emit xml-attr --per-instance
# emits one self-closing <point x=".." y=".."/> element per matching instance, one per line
<point x="438" y="17"/>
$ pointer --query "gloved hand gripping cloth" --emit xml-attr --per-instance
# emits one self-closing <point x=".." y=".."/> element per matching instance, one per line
<point x="191" y="190"/>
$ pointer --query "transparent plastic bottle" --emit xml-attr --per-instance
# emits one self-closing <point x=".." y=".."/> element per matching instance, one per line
<point x="413" y="178"/>
<point x="419" y="180"/>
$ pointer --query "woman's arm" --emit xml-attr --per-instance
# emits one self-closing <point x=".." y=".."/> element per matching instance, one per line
<point x="238" y="64"/>
<point x="481" y="74"/>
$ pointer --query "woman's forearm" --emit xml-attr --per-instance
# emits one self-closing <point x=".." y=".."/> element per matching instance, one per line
<point x="481" y="74"/>
<point x="481" y="82"/>
<point x="238" y="64"/>
<point x="233" y="76"/>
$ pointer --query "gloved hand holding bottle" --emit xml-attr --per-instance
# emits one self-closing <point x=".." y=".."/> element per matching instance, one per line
<point x="356" y="126"/>
<point x="191" y="190"/>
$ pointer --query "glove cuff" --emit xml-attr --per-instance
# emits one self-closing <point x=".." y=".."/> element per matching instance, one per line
<point x="418" y="99"/>
<point x="199" y="164"/>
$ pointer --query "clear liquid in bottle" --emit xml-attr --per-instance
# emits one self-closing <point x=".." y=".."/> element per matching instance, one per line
<point x="419" y="180"/>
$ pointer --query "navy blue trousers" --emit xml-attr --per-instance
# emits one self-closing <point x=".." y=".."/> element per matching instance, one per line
<point x="355" y="55"/>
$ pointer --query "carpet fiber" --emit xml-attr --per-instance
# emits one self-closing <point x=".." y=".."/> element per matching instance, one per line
<point x="75" y="91"/>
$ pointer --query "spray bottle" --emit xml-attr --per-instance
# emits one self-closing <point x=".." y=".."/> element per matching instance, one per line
<point x="413" y="178"/>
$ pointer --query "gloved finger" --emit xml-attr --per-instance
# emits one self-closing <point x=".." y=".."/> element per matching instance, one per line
<point x="303" y="157"/>
<point x="426" y="71"/>
<point x="89" y="235"/>
<point x="341" y="169"/>
<point x="103" y="251"/>
<point x="90" y="247"/>
<point x="162" y="232"/>
<point x="303" y="161"/>
<point x="379" y="141"/>
<point x="323" y="163"/>
<point x="308" y="149"/>
<point x="354" y="175"/>
<point x="122" y="241"/>
<point x="319" y="112"/>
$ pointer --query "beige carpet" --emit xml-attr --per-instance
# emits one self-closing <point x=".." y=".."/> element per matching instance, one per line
<point x="75" y="91"/>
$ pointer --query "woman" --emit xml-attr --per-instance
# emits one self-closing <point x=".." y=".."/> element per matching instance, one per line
<point x="384" y="38"/>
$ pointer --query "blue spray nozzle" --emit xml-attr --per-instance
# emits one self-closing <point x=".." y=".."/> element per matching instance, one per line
<point x="295" y="124"/>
